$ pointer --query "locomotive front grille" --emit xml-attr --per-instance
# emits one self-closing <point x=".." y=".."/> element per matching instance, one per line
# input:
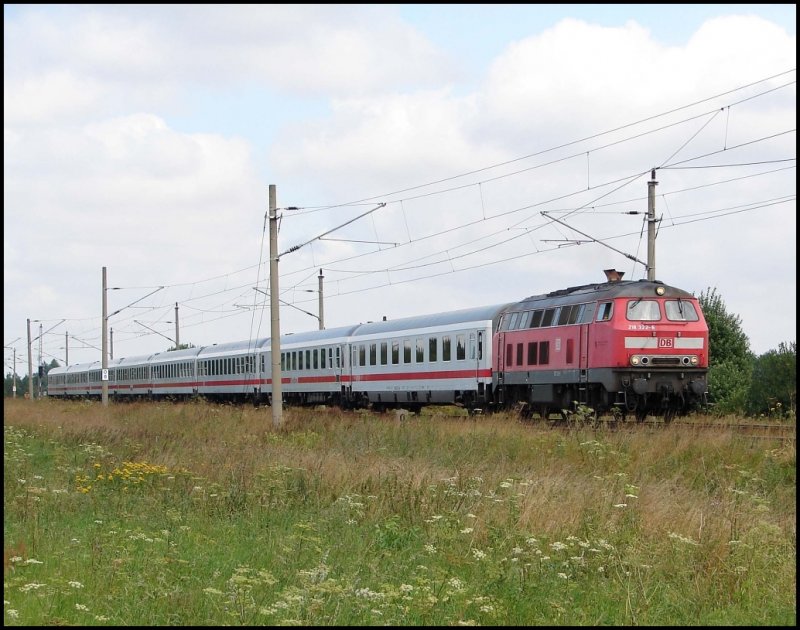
<point x="666" y="360"/>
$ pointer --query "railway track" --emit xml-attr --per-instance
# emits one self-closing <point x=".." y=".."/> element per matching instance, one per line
<point x="762" y="431"/>
<point x="756" y="431"/>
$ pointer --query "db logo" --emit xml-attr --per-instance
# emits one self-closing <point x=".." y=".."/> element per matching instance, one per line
<point x="665" y="343"/>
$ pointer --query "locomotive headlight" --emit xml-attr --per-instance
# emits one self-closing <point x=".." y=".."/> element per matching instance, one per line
<point x="660" y="290"/>
<point x="693" y="360"/>
<point x="634" y="360"/>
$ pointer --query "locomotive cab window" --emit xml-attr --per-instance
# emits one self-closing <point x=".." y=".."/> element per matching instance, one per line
<point x="680" y="311"/>
<point x="643" y="310"/>
<point x="604" y="312"/>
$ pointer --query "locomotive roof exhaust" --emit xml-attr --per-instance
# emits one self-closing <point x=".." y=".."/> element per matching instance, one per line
<point x="612" y="275"/>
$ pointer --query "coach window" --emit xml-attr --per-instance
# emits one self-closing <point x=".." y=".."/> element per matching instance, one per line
<point x="433" y="346"/>
<point x="544" y="353"/>
<point x="536" y="319"/>
<point x="420" y="354"/>
<point x="519" y="353"/>
<point x="445" y="347"/>
<point x="395" y="352"/>
<point x="461" y="348"/>
<point x="509" y="354"/>
<point x="533" y="350"/>
<point x="300" y="362"/>
<point x="547" y="317"/>
<point x="384" y="353"/>
<point x="373" y="353"/>
<point x="308" y="359"/>
<point x="472" y="346"/>
<point x="338" y="357"/>
<point x="322" y="353"/>
<point x="604" y="312"/>
<point x="315" y="354"/>
<point x="362" y="354"/>
<point x="406" y="350"/>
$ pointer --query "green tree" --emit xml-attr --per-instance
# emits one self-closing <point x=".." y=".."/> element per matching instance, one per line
<point x="730" y="361"/>
<point x="773" y="390"/>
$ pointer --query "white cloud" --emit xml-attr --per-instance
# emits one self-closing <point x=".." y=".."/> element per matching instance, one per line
<point x="98" y="173"/>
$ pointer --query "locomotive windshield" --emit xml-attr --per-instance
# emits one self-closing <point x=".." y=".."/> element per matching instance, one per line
<point x="643" y="310"/>
<point x="650" y="311"/>
<point x="680" y="311"/>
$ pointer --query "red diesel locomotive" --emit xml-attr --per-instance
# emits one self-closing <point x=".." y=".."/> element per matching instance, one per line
<point x="638" y="347"/>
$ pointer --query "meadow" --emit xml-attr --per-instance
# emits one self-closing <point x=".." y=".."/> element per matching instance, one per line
<point x="204" y="514"/>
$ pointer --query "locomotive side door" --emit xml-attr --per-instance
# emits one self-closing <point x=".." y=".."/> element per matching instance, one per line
<point x="500" y="358"/>
<point x="500" y="355"/>
<point x="583" y="363"/>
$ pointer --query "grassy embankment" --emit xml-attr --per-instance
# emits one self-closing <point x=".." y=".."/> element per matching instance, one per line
<point x="197" y="514"/>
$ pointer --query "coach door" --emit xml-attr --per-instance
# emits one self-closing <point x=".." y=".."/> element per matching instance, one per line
<point x="344" y="364"/>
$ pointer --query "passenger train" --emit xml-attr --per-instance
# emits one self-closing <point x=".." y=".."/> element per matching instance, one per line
<point x="627" y="347"/>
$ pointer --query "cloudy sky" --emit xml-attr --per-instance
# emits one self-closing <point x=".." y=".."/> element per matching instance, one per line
<point x="469" y="155"/>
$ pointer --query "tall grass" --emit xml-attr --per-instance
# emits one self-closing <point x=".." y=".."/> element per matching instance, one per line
<point x="200" y="514"/>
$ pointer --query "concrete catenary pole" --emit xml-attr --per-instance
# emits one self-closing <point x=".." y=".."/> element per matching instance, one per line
<point x="66" y="348"/>
<point x="111" y="343"/>
<point x="104" y="349"/>
<point x="651" y="226"/>
<point x="14" y="377"/>
<point x="275" y="327"/>
<point x="321" y="308"/>
<point x="177" y="329"/>
<point x="40" y="371"/>
<point x="30" y="363"/>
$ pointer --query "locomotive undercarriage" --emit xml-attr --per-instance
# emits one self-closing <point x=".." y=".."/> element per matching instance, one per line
<point x="618" y="394"/>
